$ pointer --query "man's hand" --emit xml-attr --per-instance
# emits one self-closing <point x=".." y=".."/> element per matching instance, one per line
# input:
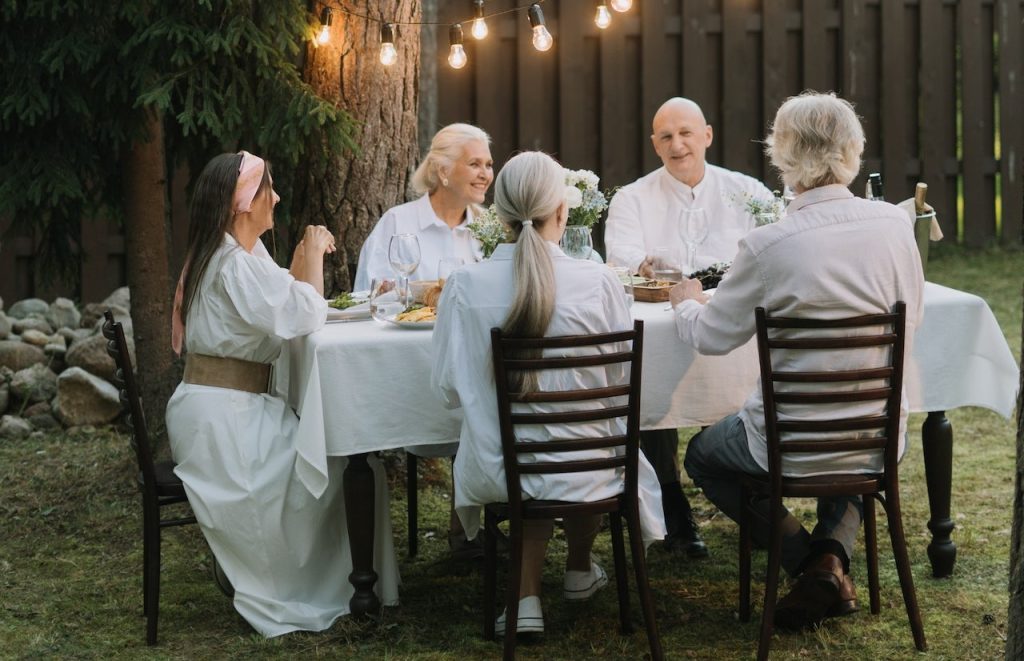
<point x="688" y="289"/>
<point x="646" y="269"/>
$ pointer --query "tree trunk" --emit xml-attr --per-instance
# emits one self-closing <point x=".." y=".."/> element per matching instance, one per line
<point x="147" y="246"/>
<point x="356" y="189"/>
<point x="1015" y="620"/>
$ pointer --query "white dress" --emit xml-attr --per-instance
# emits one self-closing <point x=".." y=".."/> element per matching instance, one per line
<point x="281" y="548"/>
<point x="437" y="241"/>
<point x="588" y="299"/>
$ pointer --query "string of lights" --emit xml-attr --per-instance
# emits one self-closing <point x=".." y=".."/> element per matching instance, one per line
<point x="457" y="59"/>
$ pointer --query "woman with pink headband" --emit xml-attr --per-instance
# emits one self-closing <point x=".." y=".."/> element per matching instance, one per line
<point x="279" y="547"/>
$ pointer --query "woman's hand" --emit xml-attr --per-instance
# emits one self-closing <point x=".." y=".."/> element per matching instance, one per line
<point x="688" y="289"/>
<point x="318" y="241"/>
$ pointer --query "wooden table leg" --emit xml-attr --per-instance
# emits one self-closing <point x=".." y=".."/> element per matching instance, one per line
<point x="359" y="511"/>
<point x="937" y="445"/>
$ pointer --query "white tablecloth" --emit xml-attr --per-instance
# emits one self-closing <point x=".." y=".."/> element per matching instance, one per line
<point x="360" y="387"/>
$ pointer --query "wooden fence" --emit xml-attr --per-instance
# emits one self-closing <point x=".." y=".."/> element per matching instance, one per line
<point x="930" y="78"/>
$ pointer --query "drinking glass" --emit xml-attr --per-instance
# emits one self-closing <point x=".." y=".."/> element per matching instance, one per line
<point x="385" y="301"/>
<point x="445" y="267"/>
<point x="667" y="265"/>
<point x="577" y="242"/>
<point x="693" y="228"/>
<point x="404" y="255"/>
<point x="626" y="278"/>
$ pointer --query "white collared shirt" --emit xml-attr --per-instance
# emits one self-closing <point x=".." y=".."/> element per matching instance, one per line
<point x="832" y="256"/>
<point x="645" y="215"/>
<point x="437" y="241"/>
<point x="588" y="299"/>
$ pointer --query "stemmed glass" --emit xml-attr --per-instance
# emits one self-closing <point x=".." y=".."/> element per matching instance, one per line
<point x="404" y="255"/>
<point x="445" y="267"/>
<point x="693" y="228"/>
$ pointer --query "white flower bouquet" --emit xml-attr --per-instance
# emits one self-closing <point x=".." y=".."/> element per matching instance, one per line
<point x="585" y="199"/>
<point x="764" y="210"/>
<point x="489" y="230"/>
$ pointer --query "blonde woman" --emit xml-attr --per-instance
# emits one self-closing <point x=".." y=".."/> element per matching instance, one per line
<point x="530" y="288"/>
<point x="452" y="179"/>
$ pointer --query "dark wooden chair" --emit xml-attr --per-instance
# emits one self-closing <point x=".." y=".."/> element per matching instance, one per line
<point x="506" y="356"/>
<point x="831" y="389"/>
<point x="159" y="485"/>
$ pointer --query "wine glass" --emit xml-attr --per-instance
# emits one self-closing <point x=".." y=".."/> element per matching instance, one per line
<point x="693" y="228"/>
<point x="404" y="255"/>
<point x="385" y="301"/>
<point x="445" y="267"/>
<point x="626" y="278"/>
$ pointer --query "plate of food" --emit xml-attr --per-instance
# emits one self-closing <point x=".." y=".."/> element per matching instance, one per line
<point x="416" y="317"/>
<point x="349" y="306"/>
<point x="650" y="290"/>
<point x="711" y="276"/>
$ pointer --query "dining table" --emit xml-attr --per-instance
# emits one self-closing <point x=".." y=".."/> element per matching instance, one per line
<point x="362" y="387"/>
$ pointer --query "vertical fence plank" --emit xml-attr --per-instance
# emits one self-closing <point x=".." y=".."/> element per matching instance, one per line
<point x="860" y="78"/>
<point x="740" y="117"/>
<point x="815" y="45"/>
<point x="1011" y="100"/>
<point x="578" y="69"/>
<point x="495" y="86"/>
<point x="8" y="265"/>
<point x="977" y="129"/>
<point x="894" y="129"/>
<point x="773" y="73"/>
<point x="622" y="137"/>
<point x="659" y="69"/>
<point x="538" y="85"/>
<point x="701" y="62"/>
<point x="938" y="112"/>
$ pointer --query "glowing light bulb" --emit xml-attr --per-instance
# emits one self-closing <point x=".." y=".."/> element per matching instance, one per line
<point x="324" y="36"/>
<point x="621" y="5"/>
<point x="541" y="37"/>
<point x="479" y="28"/>
<point x="457" y="56"/>
<point x="326" y="18"/>
<point x="604" y="17"/>
<point x="388" y="53"/>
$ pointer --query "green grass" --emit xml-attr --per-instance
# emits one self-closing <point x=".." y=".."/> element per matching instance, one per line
<point x="71" y="554"/>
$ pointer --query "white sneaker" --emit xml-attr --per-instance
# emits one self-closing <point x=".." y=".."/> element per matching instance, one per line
<point x="581" y="585"/>
<point x="530" y="620"/>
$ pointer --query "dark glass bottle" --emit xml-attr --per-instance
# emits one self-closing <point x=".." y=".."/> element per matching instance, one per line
<point x="875" y="191"/>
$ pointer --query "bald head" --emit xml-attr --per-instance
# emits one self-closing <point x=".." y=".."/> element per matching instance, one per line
<point x="681" y="136"/>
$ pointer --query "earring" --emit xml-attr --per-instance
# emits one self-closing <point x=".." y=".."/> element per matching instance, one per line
<point x="444" y="181"/>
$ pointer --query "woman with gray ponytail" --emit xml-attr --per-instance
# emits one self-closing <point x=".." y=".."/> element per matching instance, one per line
<point x="531" y="288"/>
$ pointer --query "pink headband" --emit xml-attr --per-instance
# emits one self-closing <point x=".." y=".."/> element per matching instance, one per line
<point x="250" y="174"/>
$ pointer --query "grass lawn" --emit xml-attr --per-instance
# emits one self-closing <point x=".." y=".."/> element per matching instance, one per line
<point x="71" y="558"/>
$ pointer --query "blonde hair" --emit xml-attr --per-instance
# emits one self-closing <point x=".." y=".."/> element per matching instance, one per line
<point x="816" y="140"/>
<point x="445" y="149"/>
<point x="528" y="192"/>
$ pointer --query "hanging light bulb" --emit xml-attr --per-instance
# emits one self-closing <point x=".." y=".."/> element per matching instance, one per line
<point x="479" y="24"/>
<point x="622" y="5"/>
<point x="388" y="54"/>
<point x="604" y="17"/>
<point x="541" y="37"/>
<point x="457" y="54"/>
<point x="326" y="18"/>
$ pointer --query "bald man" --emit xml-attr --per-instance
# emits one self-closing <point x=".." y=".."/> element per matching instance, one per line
<point x="645" y="216"/>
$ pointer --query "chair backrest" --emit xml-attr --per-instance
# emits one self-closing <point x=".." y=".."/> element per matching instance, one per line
<point x="117" y="347"/>
<point x="579" y="351"/>
<point x="835" y="391"/>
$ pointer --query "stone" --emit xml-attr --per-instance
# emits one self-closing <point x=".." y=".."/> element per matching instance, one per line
<point x="5" y="325"/>
<point x="17" y="355"/>
<point x="5" y="396"/>
<point x="43" y="421"/>
<point x="72" y="335"/>
<point x="120" y="298"/>
<point x="64" y="314"/>
<point x="27" y="307"/>
<point x="85" y="399"/>
<point x="37" y="383"/>
<point x="35" y="338"/>
<point x="11" y="426"/>
<point x="36" y="409"/>
<point x="91" y="355"/>
<point x="92" y="314"/>
<point x="32" y="323"/>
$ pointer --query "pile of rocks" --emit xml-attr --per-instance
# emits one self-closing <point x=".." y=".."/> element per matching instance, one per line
<point x="54" y="367"/>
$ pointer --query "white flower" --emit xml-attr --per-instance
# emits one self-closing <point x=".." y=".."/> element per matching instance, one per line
<point x="573" y="197"/>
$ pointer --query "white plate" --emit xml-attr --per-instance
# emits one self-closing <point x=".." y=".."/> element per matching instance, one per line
<point x="411" y="325"/>
<point x="358" y="312"/>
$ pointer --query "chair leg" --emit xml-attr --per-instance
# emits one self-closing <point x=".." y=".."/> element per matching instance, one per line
<point x="745" y="551"/>
<point x="619" y="552"/>
<point x="871" y="551"/>
<point x="515" y="568"/>
<point x="412" y="504"/>
<point x="151" y="574"/>
<point x="490" y="572"/>
<point x="899" y="549"/>
<point x="771" y="588"/>
<point x="636" y="544"/>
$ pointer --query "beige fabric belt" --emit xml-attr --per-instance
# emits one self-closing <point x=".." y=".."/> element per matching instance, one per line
<point x="221" y="372"/>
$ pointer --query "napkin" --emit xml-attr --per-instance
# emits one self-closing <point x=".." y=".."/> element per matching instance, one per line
<point x="935" y="232"/>
<point x="354" y="313"/>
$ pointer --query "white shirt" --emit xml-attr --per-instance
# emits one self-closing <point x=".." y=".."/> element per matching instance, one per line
<point x="646" y="214"/>
<point x="437" y="241"/>
<point x="588" y="299"/>
<point x="832" y="256"/>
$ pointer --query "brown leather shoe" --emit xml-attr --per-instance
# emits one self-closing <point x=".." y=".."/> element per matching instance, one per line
<point x="847" y="603"/>
<point x="817" y="592"/>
